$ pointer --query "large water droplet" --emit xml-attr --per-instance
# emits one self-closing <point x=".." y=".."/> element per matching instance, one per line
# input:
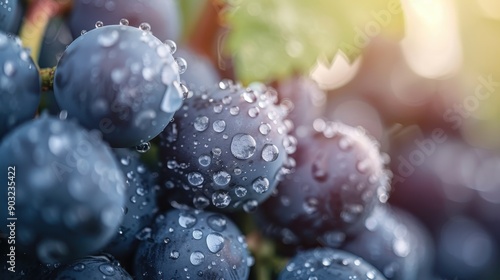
<point x="124" y="21"/>
<point x="204" y="160"/>
<point x="79" y="267"/>
<point x="197" y="234"/>
<point x="264" y="129"/>
<point x="201" y="123"/>
<point x="240" y="191"/>
<point x="144" y="234"/>
<point x="181" y="64"/>
<point x="171" y="45"/>
<point x="243" y="146"/>
<point x="187" y="220"/>
<point x="107" y="269"/>
<point x="195" y="178"/>
<point x="221" y="178"/>
<point x="250" y="205"/>
<point x="217" y="222"/>
<point x="219" y="126"/>
<point x="215" y="242"/>
<point x="99" y="24"/>
<point x="196" y="258"/>
<point x="143" y="147"/>
<point x="249" y="96"/>
<point x="145" y="26"/>
<point x="172" y="100"/>
<point x="260" y="185"/>
<point x="174" y="255"/>
<point x="221" y="199"/>
<point x="270" y="152"/>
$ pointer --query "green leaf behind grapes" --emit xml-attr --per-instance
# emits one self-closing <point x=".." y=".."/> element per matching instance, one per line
<point x="273" y="39"/>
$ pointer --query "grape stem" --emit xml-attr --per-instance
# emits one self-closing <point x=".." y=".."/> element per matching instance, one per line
<point x="37" y="17"/>
<point x="47" y="76"/>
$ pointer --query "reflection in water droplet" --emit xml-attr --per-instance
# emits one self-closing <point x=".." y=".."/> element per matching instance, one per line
<point x="217" y="222"/>
<point x="260" y="185"/>
<point x="187" y="220"/>
<point x="243" y="146"/>
<point x="215" y="242"/>
<point x="196" y="258"/>
<point x="201" y="123"/>
<point x="221" y="199"/>
<point x="270" y="152"/>
<point x="107" y="269"/>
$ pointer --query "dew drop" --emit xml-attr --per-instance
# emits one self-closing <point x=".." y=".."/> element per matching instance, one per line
<point x="201" y="123"/>
<point x="250" y="206"/>
<point x="270" y="152"/>
<point x="235" y="110"/>
<point x="99" y="24"/>
<point x="181" y="64"/>
<point x="107" y="269"/>
<point x="196" y="258"/>
<point x="174" y="255"/>
<point x="215" y="242"/>
<point x="240" y="191"/>
<point x="204" y="160"/>
<point x="187" y="220"/>
<point x="9" y="69"/>
<point x="221" y="199"/>
<point x="173" y="98"/>
<point x="79" y="267"/>
<point x="243" y="146"/>
<point x="219" y="126"/>
<point x="145" y="26"/>
<point x="143" y="147"/>
<point x="195" y="178"/>
<point x="171" y="45"/>
<point x="249" y="96"/>
<point x="124" y="22"/>
<point x="144" y="234"/>
<point x="217" y="222"/>
<point x="197" y="234"/>
<point x="200" y="202"/>
<point x="221" y="178"/>
<point x="264" y="129"/>
<point x="260" y="185"/>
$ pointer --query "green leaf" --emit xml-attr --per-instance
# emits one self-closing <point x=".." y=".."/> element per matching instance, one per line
<point x="273" y="39"/>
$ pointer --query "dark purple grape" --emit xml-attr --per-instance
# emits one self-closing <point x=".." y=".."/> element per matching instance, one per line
<point x="339" y="178"/>
<point x="200" y="73"/>
<point x="55" y="40"/>
<point x="227" y="148"/>
<point x="162" y="15"/>
<point x="90" y="268"/>
<point x="305" y="100"/>
<point x="11" y="15"/>
<point x="328" y="264"/>
<point x="193" y="244"/>
<point x="140" y="205"/>
<point x="395" y="243"/>
<point x="20" y="84"/>
<point x="466" y="250"/>
<point x="69" y="190"/>
<point x="426" y="184"/>
<point x="121" y="80"/>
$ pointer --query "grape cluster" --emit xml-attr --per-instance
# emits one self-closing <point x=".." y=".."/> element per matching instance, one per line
<point x="128" y="164"/>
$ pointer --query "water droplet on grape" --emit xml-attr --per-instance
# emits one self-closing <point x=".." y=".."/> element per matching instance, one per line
<point x="215" y="242"/>
<point x="270" y="152"/>
<point x="243" y="146"/>
<point x="196" y="258"/>
<point x="260" y="185"/>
